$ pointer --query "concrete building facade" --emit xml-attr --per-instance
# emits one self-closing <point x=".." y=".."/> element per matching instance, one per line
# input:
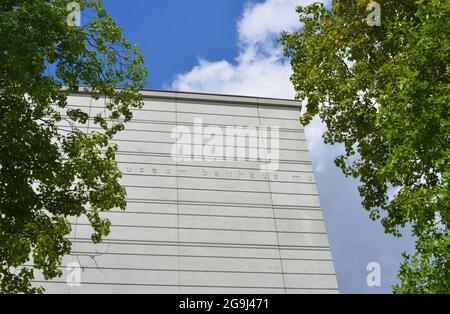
<point x="202" y="225"/>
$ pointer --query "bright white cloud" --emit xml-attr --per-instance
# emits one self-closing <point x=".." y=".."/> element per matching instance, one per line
<point x="260" y="77"/>
<point x="260" y="68"/>
<point x="261" y="21"/>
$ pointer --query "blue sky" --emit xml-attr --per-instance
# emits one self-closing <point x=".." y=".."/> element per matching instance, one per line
<point x="228" y="46"/>
<point x="174" y="33"/>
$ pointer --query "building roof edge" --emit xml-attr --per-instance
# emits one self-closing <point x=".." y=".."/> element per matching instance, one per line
<point x="189" y="96"/>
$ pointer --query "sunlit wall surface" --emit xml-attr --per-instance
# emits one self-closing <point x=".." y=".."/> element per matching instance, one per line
<point x="201" y="224"/>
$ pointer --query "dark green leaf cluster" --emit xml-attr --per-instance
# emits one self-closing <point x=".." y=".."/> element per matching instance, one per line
<point x="51" y="169"/>
<point x="384" y="93"/>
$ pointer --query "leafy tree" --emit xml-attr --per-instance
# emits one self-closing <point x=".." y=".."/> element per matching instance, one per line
<point x="383" y="92"/>
<point x="49" y="173"/>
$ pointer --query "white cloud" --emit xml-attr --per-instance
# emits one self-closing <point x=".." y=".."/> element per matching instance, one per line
<point x="259" y="77"/>
<point x="261" y="21"/>
<point x="260" y="68"/>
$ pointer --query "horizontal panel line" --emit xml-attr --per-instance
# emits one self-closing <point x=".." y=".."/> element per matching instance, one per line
<point x="216" y="190"/>
<point x="197" y="270"/>
<point x="208" y="229"/>
<point x="168" y="155"/>
<point x="227" y="204"/>
<point x="206" y="244"/>
<point x="126" y="211"/>
<point x="197" y="145"/>
<point x="196" y="112"/>
<point x="86" y="253"/>
<point x="207" y="166"/>
<point x="161" y="131"/>
<point x="184" y="285"/>
<point x="181" y="123"/>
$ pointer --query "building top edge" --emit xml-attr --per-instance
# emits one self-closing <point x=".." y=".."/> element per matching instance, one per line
<point x="210" y="97"/>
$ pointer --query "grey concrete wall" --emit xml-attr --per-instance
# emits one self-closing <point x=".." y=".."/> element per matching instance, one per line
<point x="206" y="227"/>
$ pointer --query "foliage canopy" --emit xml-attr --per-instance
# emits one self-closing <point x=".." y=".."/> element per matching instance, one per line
<point x="50" y="169"/>
<point x="383" y="92"/>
